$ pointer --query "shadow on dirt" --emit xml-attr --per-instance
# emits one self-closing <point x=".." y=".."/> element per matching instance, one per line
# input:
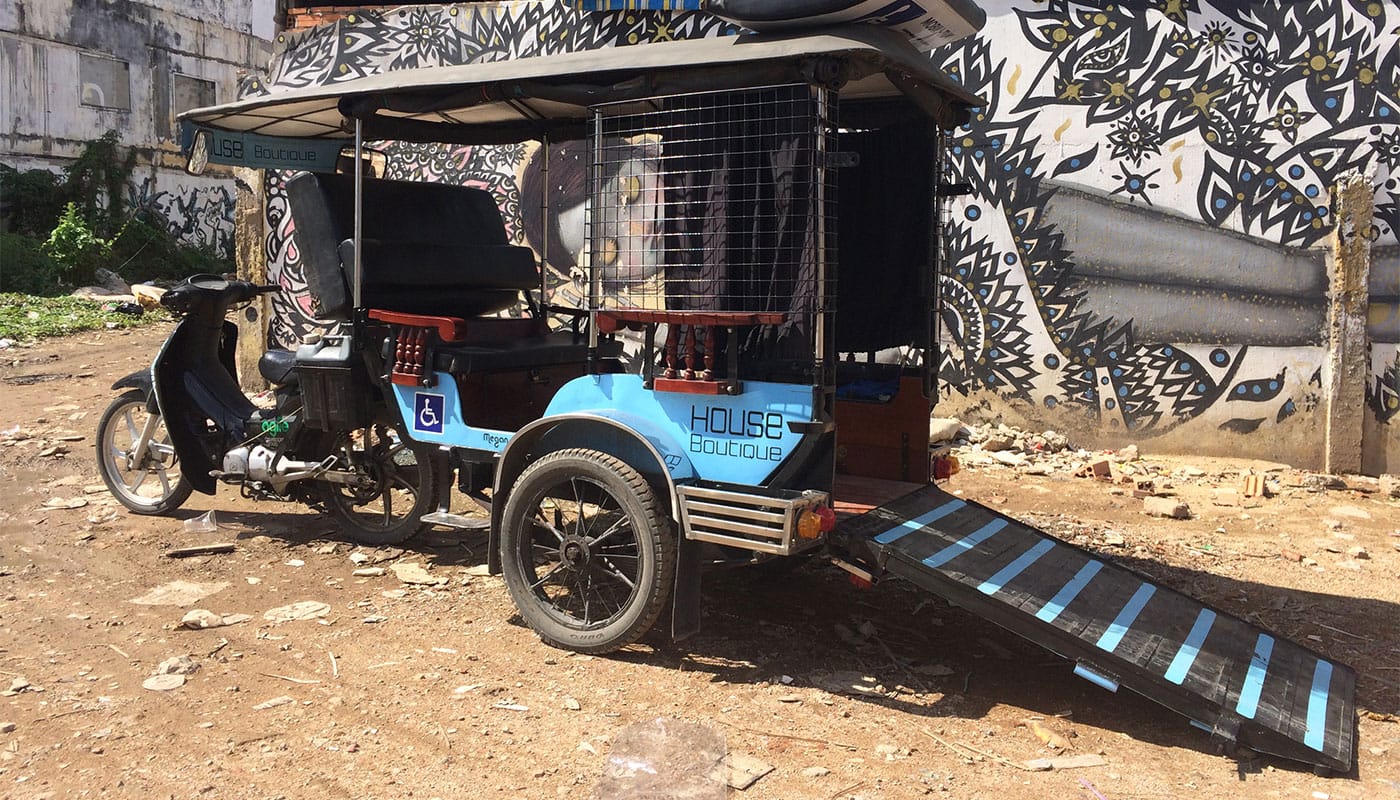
<point x="888" y="645"/>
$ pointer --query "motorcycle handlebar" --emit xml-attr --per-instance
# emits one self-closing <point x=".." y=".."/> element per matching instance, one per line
<point x="201" y="290"/>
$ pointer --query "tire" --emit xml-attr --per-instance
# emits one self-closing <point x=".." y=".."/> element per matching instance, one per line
<point x="575" y="590"/>
<point x="152" y="487"/>
<point x="403" y="485"/>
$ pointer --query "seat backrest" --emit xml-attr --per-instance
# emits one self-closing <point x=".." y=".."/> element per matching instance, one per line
<point x="402" y="217"/>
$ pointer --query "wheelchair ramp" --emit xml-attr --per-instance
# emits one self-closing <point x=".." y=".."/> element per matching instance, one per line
<point x="1239" y="682"/>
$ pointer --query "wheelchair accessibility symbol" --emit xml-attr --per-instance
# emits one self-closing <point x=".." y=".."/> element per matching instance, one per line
<point x="428" y="412"/>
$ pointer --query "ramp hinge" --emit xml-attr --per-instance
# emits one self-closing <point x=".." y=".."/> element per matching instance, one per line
<point x="1095" y="676"/>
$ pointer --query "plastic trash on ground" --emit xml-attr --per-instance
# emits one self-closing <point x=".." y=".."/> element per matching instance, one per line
<point x="664" y="759"/>
<point x="204" y="523"/>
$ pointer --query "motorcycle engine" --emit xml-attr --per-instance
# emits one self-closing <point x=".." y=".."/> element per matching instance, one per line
<point x="248" y="464"/>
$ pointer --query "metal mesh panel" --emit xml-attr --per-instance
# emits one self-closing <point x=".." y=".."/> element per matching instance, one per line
<point x="712" y="202"/>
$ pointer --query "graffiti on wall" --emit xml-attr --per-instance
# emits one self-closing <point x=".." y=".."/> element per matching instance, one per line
<point x="1151" y="179"/>
<point x="1204" y="132"/>
<point x="197" y="215"/>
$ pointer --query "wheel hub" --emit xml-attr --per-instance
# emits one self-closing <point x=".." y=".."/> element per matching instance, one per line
<point x="574" y="553"/>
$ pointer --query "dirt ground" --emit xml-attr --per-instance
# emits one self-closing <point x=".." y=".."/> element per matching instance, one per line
<point x="405" y="691"/>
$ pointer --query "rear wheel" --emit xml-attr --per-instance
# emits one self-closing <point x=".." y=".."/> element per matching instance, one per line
<point x="399" y="485"/>
<point x="587" y="554"/>
<point x="146" y="483"/>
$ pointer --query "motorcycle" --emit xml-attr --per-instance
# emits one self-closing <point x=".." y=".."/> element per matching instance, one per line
<point x="184" y="425"/>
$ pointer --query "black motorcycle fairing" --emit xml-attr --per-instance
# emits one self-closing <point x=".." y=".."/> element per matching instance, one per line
<point x="194" y="386"/>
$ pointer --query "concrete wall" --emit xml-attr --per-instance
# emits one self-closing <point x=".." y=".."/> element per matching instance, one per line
<point x="1144" y="256"/>
<point x="46" y="117"/>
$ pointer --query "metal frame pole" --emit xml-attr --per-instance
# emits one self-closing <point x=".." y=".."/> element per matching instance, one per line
<point x="359" y="209"/>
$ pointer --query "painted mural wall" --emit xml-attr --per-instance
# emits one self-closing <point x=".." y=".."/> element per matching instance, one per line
<point x="71" y="70"/>
<point x="1143" y="250"/>
<point x="1142" y="255"/>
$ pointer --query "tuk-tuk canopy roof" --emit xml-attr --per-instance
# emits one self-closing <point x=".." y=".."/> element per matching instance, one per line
<point x="531" y="98"/>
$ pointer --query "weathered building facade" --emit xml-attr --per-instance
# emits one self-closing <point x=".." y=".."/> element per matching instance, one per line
<point x="1150" y="251"/>
<point x="70" y="70"/>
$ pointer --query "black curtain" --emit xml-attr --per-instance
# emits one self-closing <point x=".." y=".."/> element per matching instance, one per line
<point x="884" y="258"/>
<point x="739" y="200"/>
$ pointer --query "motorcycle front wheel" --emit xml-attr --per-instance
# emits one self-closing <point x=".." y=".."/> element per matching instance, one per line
<point x="151" y="484"/>
<point x="400" y="485"/>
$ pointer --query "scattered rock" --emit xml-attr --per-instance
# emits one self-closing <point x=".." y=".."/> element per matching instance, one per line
<point x="199" y="619"/>
<point x="1390" y="486"/>
<point x="1168" y="507"/>
<point x="178" y="593"/>
<point x="1359" y="553"/>
<point x="1009" y="459"/>
<point x="891" y="752"/>
<point x="1318" y="482"/>
<point x="368" y="572"/>
<point x="415" y="574"/>
<point x="305" y="609"/>
<point x="16" y="686"/>
<point x="1291" y="555"/>
<point x="1113" y="539"/>
<point x="815" y="772"/>
<point x="478" y="570"/>
<point x="274" y="702"/>
<point x="1048" y="736"/>
<point x="1350" y="511"/>
<point x="999" y="442"/>
<point x="741" y="771"/>
<point x="164" y="682"/>
<point x="358" y="559"/>
<point x="177" y="665"/>
<point x="943" y="429"/>
<point x="572" y="704"/>
<point x="7" y="727"/>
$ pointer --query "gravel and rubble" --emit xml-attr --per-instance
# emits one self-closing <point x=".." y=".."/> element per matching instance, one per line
<point x="343" y="679"/>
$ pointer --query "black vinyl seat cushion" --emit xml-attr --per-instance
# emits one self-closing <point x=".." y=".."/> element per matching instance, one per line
<point x="428" y="248"/>
<point x="279" y="367"/>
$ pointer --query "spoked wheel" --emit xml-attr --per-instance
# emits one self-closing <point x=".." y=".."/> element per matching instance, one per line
<point x="399" y="485"/>
<point x="146" y="482"/>
<point x="588" y="555"/>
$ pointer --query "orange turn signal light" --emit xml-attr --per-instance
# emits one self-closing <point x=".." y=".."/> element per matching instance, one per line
<point x="815" y="521"/>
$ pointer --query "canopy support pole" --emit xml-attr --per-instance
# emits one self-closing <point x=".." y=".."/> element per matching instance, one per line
<point x="357" y="274"/>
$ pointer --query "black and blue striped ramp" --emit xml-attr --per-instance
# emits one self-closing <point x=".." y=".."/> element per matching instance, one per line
<point x="1241" y="683"/>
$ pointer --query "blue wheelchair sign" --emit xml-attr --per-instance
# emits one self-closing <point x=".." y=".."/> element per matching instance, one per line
<point x="428" y="412"/>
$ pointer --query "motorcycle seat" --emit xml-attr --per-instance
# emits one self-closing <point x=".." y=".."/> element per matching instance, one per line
<point x="279" y="367"/>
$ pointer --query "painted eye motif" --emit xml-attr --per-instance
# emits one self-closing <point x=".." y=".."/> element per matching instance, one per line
<point x="1103" y="58"/>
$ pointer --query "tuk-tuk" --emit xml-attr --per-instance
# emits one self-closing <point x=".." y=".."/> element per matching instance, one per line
<point x="740" y="370"/>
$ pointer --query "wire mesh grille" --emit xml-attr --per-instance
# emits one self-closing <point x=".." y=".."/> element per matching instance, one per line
<point x="712" y="201"/>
